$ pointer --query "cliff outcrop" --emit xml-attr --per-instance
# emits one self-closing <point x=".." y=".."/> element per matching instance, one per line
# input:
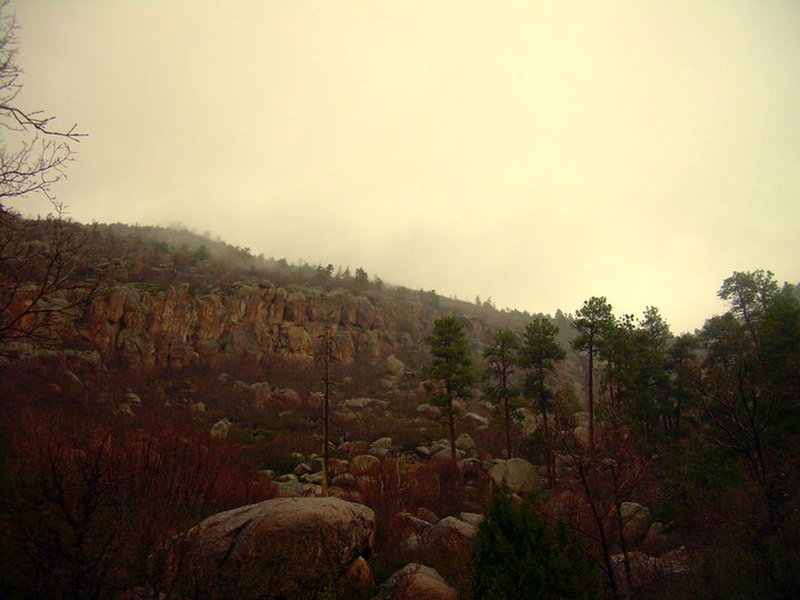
<point x="173" y="327"/>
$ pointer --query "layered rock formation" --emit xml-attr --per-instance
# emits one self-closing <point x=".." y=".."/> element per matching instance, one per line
<point x="174" y="327"/>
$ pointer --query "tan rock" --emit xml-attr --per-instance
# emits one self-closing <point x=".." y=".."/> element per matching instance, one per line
<point x="349" y="310"/>
<point x="518" y="474"/>
<point x="357" y="580"/>
<point x="453" y="535"/>
<point x="298" y="340"/>
<point x="393" y="368"/>
<point x="365" y="316"/>
<point x="364" y="464"/>
<point x="220" y="429"/>
<point x="416" y="582"/>
<point x="296" y="309"/>
<point x="282" y="547"/>
<point x="636" y="521"/>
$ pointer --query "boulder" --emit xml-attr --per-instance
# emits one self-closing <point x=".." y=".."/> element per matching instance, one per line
<point x="423" y="452"/>
<point x="364" y="464"/>
<point x="219" y="430"/>
<point x="302" y="469"/>
<point x="357" y="580"/>
<point x="414" y="532"/>
<point x="314" y="478"/>
<point x="429" y="410"/>
<point x="453" y="535"/>
<point x="359" y="405"/>
<point x="346" y="494"/>
<point x="465" y="442"/>
<point x="384" y="443"/>
<point x="582" y="435"/>
<point x="289" y="488"/>
<point x="518" y="474"/>
<point x="416" y="582"/>
<point x="526" y="420"/>
<point x="636" y="521"/>
<point x="133" y="399"/>
<point x="476" y="419"/>
<point x="393" y="368"/>
<point x="289" y="398"/>
<point x="282" y="547"/>
<point x="427" y="515"/>
<point x="345" y="480"/>
<point x="354" y="448"/>
<point x="474" y="519"/>
<point x="262" y="390"/>
<point x="444" y="455"/>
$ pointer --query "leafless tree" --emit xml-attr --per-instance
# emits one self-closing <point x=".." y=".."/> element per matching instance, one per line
<point x="327" y="356"/>
<point x="40" y="262"/>
<point x="34" y="152"/>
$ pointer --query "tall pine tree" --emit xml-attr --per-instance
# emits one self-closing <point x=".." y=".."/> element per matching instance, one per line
<point x="450" y="369"/>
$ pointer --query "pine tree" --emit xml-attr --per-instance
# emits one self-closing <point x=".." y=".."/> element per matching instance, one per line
<point x="592" y="321"/>
<point x="518" y="555"/>
<point x="539" y="354"/>
<point x="450" y="369"/>
<point x="501" y="358"/>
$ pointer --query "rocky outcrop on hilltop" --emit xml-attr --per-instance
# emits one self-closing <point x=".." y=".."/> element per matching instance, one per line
<point x="173" y="327"/>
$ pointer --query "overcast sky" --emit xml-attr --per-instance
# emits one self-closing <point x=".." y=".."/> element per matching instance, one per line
<point x="536" y="152"/>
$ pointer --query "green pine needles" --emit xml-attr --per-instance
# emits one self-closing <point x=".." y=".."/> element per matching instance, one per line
<point x="519" y="555"/>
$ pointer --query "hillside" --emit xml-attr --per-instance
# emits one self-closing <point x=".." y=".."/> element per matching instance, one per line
<point x="156" y="381"/>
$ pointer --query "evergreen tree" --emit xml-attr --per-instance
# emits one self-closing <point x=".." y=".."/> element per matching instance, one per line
<point x="518" y="555"/>
<point x="501" y="358"/>
<point x="636" y="373"/>
<point x="450" y="369"/>
<point x="361" y="278"/>
<point x="539" y="354"/>
<point x="748" y="386"/>
<point x="592" y="321"/>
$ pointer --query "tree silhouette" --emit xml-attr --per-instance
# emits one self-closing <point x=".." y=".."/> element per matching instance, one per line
<point x="592" y="321"/>
<point x="450" y="369"/>
<point x="501" y="358"/>
<point x="539" y="354"/>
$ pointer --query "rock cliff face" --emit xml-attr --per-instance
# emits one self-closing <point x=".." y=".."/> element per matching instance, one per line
<point x="174" y="327"/>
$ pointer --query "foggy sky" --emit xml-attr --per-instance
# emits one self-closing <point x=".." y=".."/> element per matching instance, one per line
<point x="535" y="152"/>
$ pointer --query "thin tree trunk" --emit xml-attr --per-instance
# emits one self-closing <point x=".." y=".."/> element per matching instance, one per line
<point x="591" y="396"/>
<point x="548" y="445"/>
<point x="326" y="412"/>
<point x="508" y="430"/>
<point x="452" y="426"/>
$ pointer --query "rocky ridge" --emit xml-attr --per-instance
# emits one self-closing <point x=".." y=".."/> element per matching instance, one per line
<point x="174" y="327"/>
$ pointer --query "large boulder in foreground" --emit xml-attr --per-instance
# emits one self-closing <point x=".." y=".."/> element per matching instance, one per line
<point x="416" y="582"/>
<point x="281" y="548"/>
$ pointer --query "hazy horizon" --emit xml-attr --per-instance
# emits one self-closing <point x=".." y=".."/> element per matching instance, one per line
<point x="537" y="153"/>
